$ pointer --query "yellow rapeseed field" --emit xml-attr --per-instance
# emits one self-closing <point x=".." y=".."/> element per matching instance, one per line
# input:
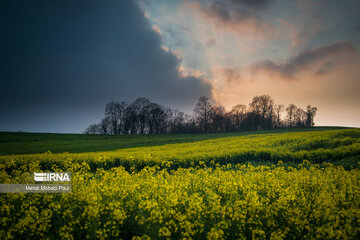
<point x="202" y="190"/>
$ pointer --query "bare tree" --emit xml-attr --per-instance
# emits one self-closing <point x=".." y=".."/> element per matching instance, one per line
<point x="91" y="129"/>
<point x="144" y="117"/>
<point x="157" y="117"/>
<point x="115" y="112"/>
<point x="141" y="106"/>
<point x="264" y="106"/>
<point x="228" y="122"/>
<point x="278" y="111"/>
<point x="202" y="110"/>
<point x="217" y="116"/>
<point x="238" y="112"/>
<point x="191" y="124"/>
<point x="130" y="121"/>
<point x="291" y="109"/>
<point x="176" y="121"/>
<point x="121" y="116"/>
<point x="300" y="118"/>
<point x="310" y="114"/>
<point x="111" y="114"/>
<point x="252" y="121"/>
<point x="105" y="125"/>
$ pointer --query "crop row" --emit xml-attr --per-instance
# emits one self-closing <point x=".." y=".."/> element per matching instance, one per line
<point x="228" y="202"/>
<point x="315" y="147"/>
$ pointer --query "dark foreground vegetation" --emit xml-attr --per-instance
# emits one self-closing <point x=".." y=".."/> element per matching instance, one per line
<point x="145" y="117"/>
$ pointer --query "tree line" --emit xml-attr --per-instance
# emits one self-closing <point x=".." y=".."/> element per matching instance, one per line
<point x="145" y="117"/>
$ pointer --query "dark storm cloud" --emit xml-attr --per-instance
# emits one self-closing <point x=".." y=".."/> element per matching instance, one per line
<point x="232" y="12"/>
<point x="318" y="61"/>
<point x="357" y="28"/>
<point x="61" y="61"/>
<point x="253" y="3"/>
<point x="241" y="16"/>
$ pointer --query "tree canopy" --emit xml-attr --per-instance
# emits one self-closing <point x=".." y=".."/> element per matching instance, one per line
<point x="145" y="117"/>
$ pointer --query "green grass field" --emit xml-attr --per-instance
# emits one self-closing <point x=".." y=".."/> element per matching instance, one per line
<point x="282" y="184"/>
<point x="24" y="143"/>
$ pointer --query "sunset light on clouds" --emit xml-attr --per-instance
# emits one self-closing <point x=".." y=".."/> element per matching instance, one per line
<point x="302" y="52"/>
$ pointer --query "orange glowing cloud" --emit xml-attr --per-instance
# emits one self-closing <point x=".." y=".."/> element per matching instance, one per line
<point x="311" y="63"/>
<point x="189" y="72"/>
<point x="327" y="77"/>
<point x="156" y="29"/>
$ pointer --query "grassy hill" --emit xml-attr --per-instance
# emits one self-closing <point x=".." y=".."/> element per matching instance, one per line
<point x="219" y="149"/>
<point x="26" y="143"/>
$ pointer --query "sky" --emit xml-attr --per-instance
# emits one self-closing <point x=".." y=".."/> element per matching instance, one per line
<point x="62" y="61"/>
